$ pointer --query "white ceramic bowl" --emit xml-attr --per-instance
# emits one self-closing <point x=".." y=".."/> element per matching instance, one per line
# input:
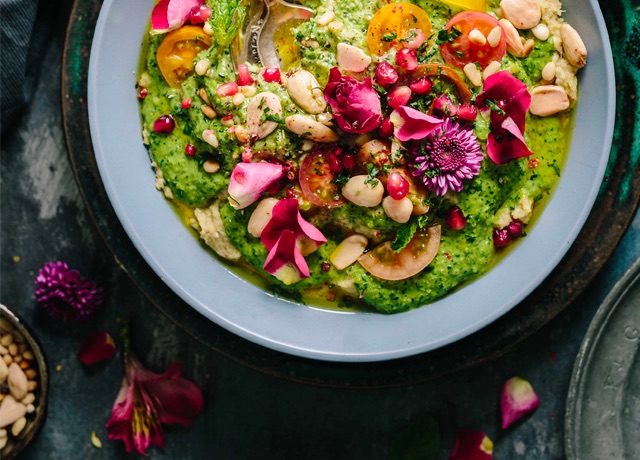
<point x="244" y="309"/>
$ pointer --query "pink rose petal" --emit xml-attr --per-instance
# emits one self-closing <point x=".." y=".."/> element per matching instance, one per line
<point x="410" y="123"/>
<point x="517" y="399"/>
<point x="97" y="347"/>
<point x="506" y="143"/>
<point x="472" y="445"/>
<point x="286" y="216"/>
<point x="250" y="180"/>
<point x="285" y="261"/>
<point x="171" y="14"/>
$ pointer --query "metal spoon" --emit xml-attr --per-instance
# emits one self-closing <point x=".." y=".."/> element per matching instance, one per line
<point x="255" y="42"/>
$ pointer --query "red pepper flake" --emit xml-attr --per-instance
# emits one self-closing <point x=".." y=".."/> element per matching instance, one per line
<point x="142" y="93"/>
<point x="376" y="234"/>
<point x="447" y="255"/>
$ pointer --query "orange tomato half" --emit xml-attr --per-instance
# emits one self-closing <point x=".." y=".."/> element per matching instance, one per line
<point x="177" y="51"/>
<point x="392" y="23"/>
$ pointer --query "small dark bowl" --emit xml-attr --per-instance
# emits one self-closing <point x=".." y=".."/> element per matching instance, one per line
<point x="35" y="420"/>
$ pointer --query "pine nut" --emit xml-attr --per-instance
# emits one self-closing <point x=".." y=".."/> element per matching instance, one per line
<point x="6" y="340"/>
<point x="335" y="26"/>
<point x="473" y="74"/>
<point x="238" y="99"/>
<point x="541" y="32"/>
<point x="248" y="91"/>
<point x="204" y="96"/>
<point x="228" y="122"/>
<point x="493" y="67"/>
<point x="207" y="29"/>
<point x="549" y="72"/>
<point x="7" y="359"/>
<point x="326" y="18"/>
<point x="30" y="373"/>
<point x="202" y="66"/>
<point x="31" y="408"/>
<point x="307" y="145"/>
<point x="28" y="399"/>
<point x="241" y="134"/>
<point x="28" y="354"/>
<point x="32" y="385"/>
<point x="477" y="37"/>
<point x="13" y="349"/>
<point x="18" y="426"/>
<point x="208" y="111"/>
<point x="211" y="166"/>
<point x="209" y="136"/>
<point x="494" y="36"/>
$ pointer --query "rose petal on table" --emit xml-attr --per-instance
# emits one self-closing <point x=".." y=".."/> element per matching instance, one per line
<point x="472" y="445"/>
<point x="97" y="347"/>
<point x="517" y="399"/>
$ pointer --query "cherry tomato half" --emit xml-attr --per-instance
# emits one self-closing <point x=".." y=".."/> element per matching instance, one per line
<point x="177" y="51"/>
<point x="317" y="180"/>
<point x="392" y="23"/>
<point x="385" y="264"/>
<point x="463" y="51"/>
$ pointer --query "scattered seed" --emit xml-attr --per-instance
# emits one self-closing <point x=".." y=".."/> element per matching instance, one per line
<point x="208" y="111"/>
<point x="211" y="166"/>
<point x="95" y="440"/>
<point x="202" y="66"/>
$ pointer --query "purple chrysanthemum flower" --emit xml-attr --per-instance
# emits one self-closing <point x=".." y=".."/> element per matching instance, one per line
<point x="66" y="295"/>
<point x="452" y="153"/>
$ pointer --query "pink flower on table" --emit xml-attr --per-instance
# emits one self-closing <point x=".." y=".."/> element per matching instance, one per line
<point x="147" y="400"/>
<point x="508" y="99"/>
<point x="288" y="238"/>
<point x="409" y="123"/>
<point x="97" y="347"/>
<point x="517" y="399"/>
<point x="472" y="445"/>
<point x="65" y="294"/>
<point x="355" y="105"/>
<point x="171" y="14"/>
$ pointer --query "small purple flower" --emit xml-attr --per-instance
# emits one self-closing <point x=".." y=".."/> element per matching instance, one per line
<point x="452" y="153"/>
<point x="66" y="295"/>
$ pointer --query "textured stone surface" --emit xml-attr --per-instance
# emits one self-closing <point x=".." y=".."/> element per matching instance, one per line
<point x="248" y="414"/>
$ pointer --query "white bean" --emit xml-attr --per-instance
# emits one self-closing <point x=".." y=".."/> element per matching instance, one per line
<point x="305" y="126"/>
<point x="363" y="191"/>
<point x="351" y="58"/>
<point x="523" y="14"/>
<point x="263" y="103"/>
<point x="305" y="90"/>
<point x="348" y="251"/>
<point x="398" y="210"/>
<point x="574" y="49"/>
<point x="548" y="99"/>
<point x="493" y="67"/>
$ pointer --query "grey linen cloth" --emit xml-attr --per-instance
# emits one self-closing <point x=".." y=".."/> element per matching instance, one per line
<point x="18" y="56"/>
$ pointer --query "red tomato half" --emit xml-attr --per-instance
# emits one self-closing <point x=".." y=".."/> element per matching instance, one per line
<point x="317" y="181"/>
<point x="462" y="51"/>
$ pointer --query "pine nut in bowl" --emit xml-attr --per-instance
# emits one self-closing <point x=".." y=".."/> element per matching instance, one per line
<point x="23" y="385"/>
<point x="320" y="138"/>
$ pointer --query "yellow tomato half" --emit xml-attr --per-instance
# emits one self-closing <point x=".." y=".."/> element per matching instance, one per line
<point x="478" y="5"/>
<point x="392" y="23"/>
<point x="177" y="51"/>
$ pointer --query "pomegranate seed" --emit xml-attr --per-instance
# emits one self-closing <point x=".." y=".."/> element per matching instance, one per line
<point x="142" y="93"/>
<point x="515" y="229"/>
<point x="456" y="219"/>
<point x="386" y="128"/>
<point x="414" y="39"/>
<point x="422" y="86"/>
<point x="386" y="75"/>
<point x="247" y="154"/>
<point x="334" y="164"/>
<point x="199" y="14"/>
<point x="271" y="75"/>
<point x="186" y="103"/>
<point x="244" y="77"/>
<point x="407" y="59"/>
<point x="348" y="161"/>
<point x="445" y="105"/>
<point x="399" y="96"/>
<point x="227" y="89"/>
<point x="501" y="237"/>
<point x="397" y="186"/>
<point x="337" y="151"/>
<point x="190" y="150"/>
<point x="467" y="112"/>
<point x="290" y="193"/>
<point x="164" y="125"/>
<point x="325" y="266"/>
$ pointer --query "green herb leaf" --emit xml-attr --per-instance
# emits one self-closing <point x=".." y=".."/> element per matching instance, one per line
<point x="420" y="439"/>
<point x="406" y="232"/>
<point x="389" y="37"/>
<point x="448" y="36"/>
<point x="372" y="172"/>
<point x="493" y="105"/>
<point x="226" y="18"/>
